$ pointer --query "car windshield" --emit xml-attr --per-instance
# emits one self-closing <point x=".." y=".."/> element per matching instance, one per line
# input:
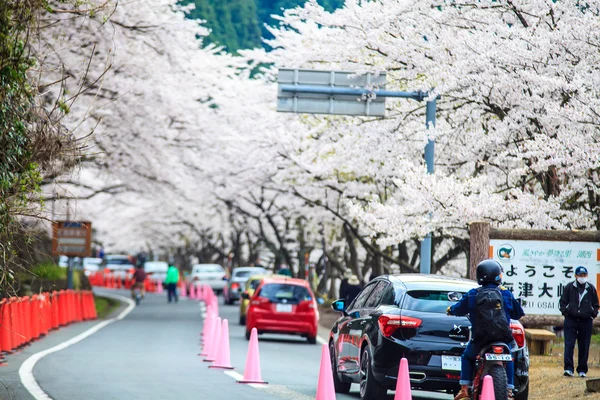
<point x="118" y="261"/>
<point x="246" y="273"/>
<point x="281" y="292"/>
<point x="208" y="268"/>
<point x="428" y="300"/>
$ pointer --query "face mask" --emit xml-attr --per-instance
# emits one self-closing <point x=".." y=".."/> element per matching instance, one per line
<point x="582" y="281"/>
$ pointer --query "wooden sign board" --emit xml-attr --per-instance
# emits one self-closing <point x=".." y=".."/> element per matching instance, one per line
<point x="72" y="238"/>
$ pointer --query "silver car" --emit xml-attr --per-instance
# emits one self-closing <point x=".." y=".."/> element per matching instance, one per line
<point x="237" y="282"/>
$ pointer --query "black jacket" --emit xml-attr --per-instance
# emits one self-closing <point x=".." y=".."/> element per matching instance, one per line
<point x="570" y="306"/>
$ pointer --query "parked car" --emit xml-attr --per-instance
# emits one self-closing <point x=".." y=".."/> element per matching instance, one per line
<point x="156" y="270"/>
<point x="283" y="305"/>
<point x="237" y="282"/>
<point x="118" y="265"/>
<point x="405" y="316"/>
<point x="91" y="265"/>
<point x="212" y="275"/>
<point x="251" y="285"/>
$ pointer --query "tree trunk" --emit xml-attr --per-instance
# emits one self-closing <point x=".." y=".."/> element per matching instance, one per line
<point x="479" y="245"/>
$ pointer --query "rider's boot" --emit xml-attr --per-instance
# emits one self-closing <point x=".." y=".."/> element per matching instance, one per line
<point x="511" y="395"/>
<point x="463" y="394"/>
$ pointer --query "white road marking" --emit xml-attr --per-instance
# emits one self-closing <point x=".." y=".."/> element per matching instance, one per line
<point x="320" y="340"/>
<point x="26" y="370"/>
<point x="238" y="377"/>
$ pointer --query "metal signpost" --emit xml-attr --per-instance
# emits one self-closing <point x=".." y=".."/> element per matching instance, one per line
<point x="344" y="93"/>
<point x="71" y="239"/>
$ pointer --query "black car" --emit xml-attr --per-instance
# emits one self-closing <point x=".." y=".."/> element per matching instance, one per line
<point x="397" y="316"/>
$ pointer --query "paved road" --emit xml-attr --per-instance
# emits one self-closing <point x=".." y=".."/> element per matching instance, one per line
<point x="152" y="354"/>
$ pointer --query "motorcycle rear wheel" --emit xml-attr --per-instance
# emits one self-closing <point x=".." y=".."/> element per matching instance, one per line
<point x="498" y="374"/>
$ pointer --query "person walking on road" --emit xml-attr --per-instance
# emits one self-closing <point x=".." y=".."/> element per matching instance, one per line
<point x="352" y="289"/>
<point x="171" y="282"/>
<point x="579" y="305"/>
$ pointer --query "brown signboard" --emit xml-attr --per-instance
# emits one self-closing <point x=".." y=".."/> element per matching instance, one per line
<point x="72" y="238"/>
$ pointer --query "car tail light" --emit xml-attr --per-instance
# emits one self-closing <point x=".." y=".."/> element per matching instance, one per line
<point x="389" y="323"/>
<point x="307" y="305"/>
<point x="518" y="333"/>
<point x="497" y="349"/>
<point x="235" y="286"/>
<point x="451" y="376"/>
<point x="260" y="301"/>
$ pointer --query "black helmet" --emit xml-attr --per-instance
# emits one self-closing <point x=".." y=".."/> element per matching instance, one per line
<point x="489" y="271"/>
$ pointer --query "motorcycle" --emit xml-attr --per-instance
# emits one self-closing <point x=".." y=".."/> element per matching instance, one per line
<point x="492" y="360"/>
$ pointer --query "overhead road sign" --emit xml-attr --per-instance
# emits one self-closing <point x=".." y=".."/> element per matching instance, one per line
<point x="330" y="92"/>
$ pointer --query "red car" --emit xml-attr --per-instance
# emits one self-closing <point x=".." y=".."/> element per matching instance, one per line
<point x="283" y="305"/>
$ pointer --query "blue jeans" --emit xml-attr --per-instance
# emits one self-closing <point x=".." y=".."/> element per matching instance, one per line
<point x="468" y="363"/>
<point x="172" y="292"/>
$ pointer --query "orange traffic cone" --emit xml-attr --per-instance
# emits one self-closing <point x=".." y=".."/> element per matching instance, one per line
<point x="223" y="360"/>
<point x="252" y="369"/>
<point x="403" y="382"/>
<point x="487" y="393"/>
<point x="325" y="390"/>
<point x="214" y="342"/>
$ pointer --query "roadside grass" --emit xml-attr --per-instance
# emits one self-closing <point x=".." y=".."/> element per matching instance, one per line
<point x="104" y="306"/>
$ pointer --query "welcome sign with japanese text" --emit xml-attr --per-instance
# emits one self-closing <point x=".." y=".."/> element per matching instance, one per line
<point x="540" y="270"/>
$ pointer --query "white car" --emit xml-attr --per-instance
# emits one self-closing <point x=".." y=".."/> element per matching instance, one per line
<point x="118" y="265"/>
<point x="157" y="270"/>
<point x="212" y="275"/>
<point x="91" y="265"/>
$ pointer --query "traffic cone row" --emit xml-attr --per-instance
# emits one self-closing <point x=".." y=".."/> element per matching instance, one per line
<point x="111" y="281"/>
<point x="215" y="339"/>
<point x="26" y="319"/>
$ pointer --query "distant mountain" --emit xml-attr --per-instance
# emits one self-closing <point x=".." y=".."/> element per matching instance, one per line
<point x="239" y="24"/>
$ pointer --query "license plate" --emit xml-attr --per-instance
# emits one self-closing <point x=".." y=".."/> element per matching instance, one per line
<point x="451" y="363"/>
<point x="283" y="307"/>
<point x="210" y="278"/>
<point x="498" y="357"/>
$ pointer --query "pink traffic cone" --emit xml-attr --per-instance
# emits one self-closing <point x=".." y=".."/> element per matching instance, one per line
<point x="215" y="342"/>
<point x="403" y="382"/>
<point x="252" y="370"/>
<point x="325" y="390"/>
<point x="223" y="360"/>
<point x="193" y="291"/>
<point x="183" y="290"/>
<point x="159" y="288"/>
<point x="201" y="293"/>
<point x="487" y="393"/>
<point x="208" y="331"/>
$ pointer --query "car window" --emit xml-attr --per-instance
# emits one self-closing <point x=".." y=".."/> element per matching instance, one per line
<point x="389" y="296"/>
<point x="284" y="293"/>
<point x="435" y="301"/>
<point x="376" y="294"/>
<point x="246" y="273"/>
<point x="360" y="300"/>
<point x="118" y="261"/>
<point x="254" y="284"/>
<point x="208" y="268"/>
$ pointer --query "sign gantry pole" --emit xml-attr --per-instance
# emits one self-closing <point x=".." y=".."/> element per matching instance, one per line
<point x="346" y="93"/>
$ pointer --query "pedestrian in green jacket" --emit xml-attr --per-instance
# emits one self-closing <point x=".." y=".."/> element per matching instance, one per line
<point x="171" y="282"/>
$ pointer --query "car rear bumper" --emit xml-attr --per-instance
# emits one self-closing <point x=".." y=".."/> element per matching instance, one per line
<point x="267" y="325"/>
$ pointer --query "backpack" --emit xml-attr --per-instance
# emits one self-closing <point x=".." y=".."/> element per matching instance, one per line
<point x="491" y="325"/>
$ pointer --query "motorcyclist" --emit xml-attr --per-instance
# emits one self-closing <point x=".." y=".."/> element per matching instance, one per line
<point x="489" y="275"/>
<point x="139" y="277"/>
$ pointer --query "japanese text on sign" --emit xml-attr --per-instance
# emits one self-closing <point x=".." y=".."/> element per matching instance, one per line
<point x="540" y="270"/>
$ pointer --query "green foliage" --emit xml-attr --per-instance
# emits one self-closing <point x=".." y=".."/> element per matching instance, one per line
<point x="50" y="271"/>
<point x="240" y="24"/>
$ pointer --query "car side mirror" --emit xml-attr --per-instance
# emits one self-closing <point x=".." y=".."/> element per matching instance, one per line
<point x="245" y="296"/>
<point x="339" y="305"/>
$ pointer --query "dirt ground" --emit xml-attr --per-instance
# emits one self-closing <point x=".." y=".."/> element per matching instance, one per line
<point x="546" y="380"/>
